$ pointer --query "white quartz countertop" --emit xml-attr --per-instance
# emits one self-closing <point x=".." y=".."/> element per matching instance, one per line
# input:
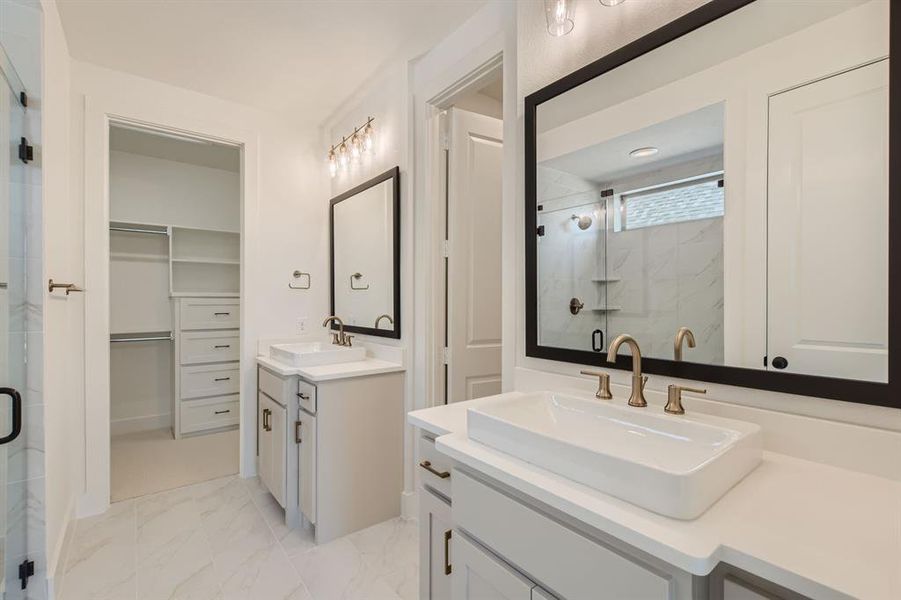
<point x="360" y="368"/>
<point x="822" y="531"/>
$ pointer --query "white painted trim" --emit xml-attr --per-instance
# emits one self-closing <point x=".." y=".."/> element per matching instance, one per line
<point x="143" y="423"/>
<point x="409" y="504"/>
<point x="462" y="57"/>
<point x="98" y="113"/>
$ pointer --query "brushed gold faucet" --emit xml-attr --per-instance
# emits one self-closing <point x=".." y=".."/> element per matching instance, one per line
<point x="338" y="339"/>
<point x="684" y="333"/>
<point x="638" y="381"/>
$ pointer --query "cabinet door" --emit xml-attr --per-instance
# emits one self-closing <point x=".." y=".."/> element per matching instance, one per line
<point x="305" y="438"/>
<point x="264" y="405"/>
<point x="435" y="547"/>
<point x="478" y="575"/>
<point x="541" y="594"/>
<point x="278" y="432"/>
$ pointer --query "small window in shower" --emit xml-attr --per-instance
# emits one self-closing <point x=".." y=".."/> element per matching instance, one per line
<point x="685" y="200"/>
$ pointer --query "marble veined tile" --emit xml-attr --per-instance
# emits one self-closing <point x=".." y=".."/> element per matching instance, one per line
<point x="182" y="569"/>
<point x="390" y="545"/>
<point x="101" y="562"/>
<point x="337" y="570"/>
<point x="265" y="573"/>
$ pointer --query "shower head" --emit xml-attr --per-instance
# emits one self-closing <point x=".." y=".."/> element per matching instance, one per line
<point x="584" y="221"/>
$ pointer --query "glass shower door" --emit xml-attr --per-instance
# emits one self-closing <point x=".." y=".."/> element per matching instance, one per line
<point x="14" y="325"/>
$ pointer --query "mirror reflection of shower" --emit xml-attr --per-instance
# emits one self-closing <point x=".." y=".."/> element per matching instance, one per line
<point x="583" y="221"/>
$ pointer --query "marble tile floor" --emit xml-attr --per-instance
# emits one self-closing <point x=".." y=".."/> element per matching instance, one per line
<point x="226" y="539"/>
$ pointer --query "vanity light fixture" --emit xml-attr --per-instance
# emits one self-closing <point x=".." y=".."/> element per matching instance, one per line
<point x="559" y="15"/>
<point x="644" y="152"/>
<point x="352" y="147"/>
<point x="611" y="2"/>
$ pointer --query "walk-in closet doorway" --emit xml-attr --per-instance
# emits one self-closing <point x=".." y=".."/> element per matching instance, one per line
<point x="174" y="309"/>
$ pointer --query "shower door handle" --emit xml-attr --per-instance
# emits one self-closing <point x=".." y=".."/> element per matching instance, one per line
<point x="17" y="414"/>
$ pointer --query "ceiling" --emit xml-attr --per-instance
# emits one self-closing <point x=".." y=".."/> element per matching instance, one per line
<point x="302" y="56"/>
<point x="694" y="135"/>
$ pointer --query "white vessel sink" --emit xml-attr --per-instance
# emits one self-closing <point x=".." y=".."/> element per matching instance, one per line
<point x="674" y="466"/>
<point x="312" y="354"/>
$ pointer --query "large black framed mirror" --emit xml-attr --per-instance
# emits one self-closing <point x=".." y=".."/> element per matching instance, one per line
<point x="734" y="173"/>
<point x="364" y="233"/>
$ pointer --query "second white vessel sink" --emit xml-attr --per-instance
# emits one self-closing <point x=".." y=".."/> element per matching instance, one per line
<point x="674" y="466"/>
<point x="312" y="354"/>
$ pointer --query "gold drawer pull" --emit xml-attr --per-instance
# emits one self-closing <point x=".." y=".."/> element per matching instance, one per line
<point x="297" y="425"/>
<point x="302" y="396"/>
<point x="448" y="568"/>
<point x="428" y="467"/>
<point x="222" y="379"/>
<point x="221" y="412"/>
<point x="222" y="346"/>
<point x="221" y="314"/>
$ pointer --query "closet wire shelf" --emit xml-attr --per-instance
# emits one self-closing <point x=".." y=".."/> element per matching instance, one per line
<point x="117" y="339"/>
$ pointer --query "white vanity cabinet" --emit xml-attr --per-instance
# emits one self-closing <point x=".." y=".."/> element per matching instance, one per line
<point x="272" y="422"/>
<point x="482" y="576"/>
<point x="351" y="425"/>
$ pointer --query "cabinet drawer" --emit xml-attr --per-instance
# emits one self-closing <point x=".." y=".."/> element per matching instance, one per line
<point x="209" y="380"/>
<point x="209" y="413"/>
<point x="567" y="561"/>
<point x="435" y="469"/>
<point x="202" y="313"/>
<point x="306" y="396"/>
<point x="208" y="346"/>
<point x="276" y="387"/>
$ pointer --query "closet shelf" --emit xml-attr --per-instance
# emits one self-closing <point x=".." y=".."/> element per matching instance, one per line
<point x="188" y="294"/>
<point x="207" y="261"/>
<point x="606" y="279"/>
<point x="138" y="256"/>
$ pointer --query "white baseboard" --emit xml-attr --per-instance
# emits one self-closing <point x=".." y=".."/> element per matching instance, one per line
<point x="409" y="505"/>
<point x="134" y="424"/>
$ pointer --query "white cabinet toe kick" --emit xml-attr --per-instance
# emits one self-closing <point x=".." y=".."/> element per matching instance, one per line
<point x="481" y="540"/>
<point x="331" y="452"/>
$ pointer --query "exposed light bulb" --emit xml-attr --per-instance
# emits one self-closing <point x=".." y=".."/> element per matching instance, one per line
<point x="559" y="14"/>
<point x="343" y="155"/>
<point x="356" y="146"/>
<point x="332" y="163"/>
<point x="368" y="137"/>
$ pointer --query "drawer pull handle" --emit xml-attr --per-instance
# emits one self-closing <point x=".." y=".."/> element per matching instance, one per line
<point x="448" y="568"/>
<point x="223" y="346"/>
<point x="221" y="314"/>
<point x="427" y="465"/>
<point x="302" y="396"/>
<point x="266" y="413"/>
<point x="222" y="379"/>
<point x="297" y="425"/>
<point x="222" y="412"/>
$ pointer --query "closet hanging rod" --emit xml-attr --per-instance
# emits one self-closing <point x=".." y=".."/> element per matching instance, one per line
<point x="136" y="230"/>
<point x="158" y="338"/>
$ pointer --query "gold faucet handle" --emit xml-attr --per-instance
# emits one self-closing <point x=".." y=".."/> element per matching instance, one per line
<point x="347" y="340"/>
<point x="603" y="392"/>
<point x="694" y="390"/>
<point x="674" y="398"/>
<point x="335" y="339"/>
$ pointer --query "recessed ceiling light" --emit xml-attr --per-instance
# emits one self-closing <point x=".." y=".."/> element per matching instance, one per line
<point x="642" y="152"/>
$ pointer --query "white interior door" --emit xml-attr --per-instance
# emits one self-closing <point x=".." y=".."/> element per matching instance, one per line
<point x="474" y="258"/>
<point x="827" y="305"/>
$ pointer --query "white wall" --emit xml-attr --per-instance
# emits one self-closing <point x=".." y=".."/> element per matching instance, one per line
<point x="63" y="318"/>
<point x="144" y="189"/>
<point x="284" y="227"/>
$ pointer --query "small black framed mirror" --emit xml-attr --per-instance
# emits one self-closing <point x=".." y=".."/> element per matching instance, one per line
<point x="364" y="233"/>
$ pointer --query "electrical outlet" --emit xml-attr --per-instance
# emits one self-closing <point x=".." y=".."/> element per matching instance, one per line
<point x="302" y="326"/>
